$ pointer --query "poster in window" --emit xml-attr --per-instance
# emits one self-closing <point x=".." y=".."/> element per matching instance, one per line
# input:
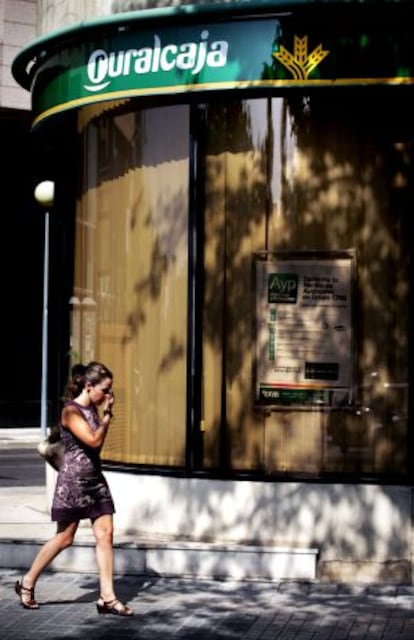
<point x="304" y="340"/>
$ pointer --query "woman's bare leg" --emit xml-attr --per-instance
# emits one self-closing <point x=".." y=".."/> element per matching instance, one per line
<point x="103" y="530"/>
<point x="62" y="539"/>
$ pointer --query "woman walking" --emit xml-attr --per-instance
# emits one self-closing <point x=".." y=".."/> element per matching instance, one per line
<point x="81" y="489"/>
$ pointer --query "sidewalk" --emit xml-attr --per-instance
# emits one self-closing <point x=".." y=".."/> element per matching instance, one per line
<point x="175" y="607"/>
<point x="207" y="610"/>
<point x="20" y="437"/>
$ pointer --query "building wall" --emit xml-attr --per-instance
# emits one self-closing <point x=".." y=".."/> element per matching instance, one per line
<point x="23" y="342"/>
<point x="362" y="532"/>
<point x="18" y="27"/>
<point x="54" y="14"/>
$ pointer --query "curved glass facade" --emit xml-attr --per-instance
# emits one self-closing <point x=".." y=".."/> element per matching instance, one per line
<point x="179" y="209"/>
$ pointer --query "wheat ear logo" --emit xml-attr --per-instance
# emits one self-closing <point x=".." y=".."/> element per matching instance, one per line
<point x="300" y="64"/>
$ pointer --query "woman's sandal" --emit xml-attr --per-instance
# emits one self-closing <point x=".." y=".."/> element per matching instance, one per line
<point x="26" y="595"/>
<point x="114" y="606"/>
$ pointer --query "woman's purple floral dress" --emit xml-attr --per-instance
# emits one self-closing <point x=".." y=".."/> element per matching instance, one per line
<point x="81" y="489"/>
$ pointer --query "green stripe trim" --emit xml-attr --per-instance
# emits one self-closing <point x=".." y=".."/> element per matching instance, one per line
<point x="210" y="86"/>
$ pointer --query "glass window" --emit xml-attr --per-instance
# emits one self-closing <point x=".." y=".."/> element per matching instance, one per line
<point x="307" y="174"/>
<point x="131" y="273"/>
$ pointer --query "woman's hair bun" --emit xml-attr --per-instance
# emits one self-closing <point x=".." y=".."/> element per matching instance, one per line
<point x="78" y="370"/>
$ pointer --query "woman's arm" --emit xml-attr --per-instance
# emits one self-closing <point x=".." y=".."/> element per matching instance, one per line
<point x="73" y="420"/>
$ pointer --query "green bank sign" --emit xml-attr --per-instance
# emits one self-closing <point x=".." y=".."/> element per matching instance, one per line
<point x="149" y="62"/>
<point x="252" y="53"/>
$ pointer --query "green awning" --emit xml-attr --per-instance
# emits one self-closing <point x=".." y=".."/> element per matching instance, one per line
<point x="245" y="46"/>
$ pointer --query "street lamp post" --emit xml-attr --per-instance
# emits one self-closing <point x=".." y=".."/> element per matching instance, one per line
<point x="44" y="194"/>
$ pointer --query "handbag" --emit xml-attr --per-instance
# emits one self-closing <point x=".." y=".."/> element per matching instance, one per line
<point x="51" y="448"/>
